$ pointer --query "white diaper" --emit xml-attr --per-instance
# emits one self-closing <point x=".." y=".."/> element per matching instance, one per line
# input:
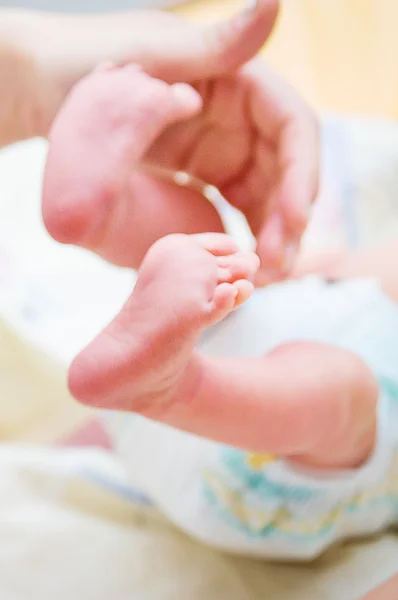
<point x="260" y="505"/>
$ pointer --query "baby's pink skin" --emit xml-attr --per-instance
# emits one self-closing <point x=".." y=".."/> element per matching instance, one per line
<point x="131" y="109"/>
<point x="309" y="402"/>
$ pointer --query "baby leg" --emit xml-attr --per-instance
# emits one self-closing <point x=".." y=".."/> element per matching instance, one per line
<point x="306" y="401"/>
<point x="93" y="175"/>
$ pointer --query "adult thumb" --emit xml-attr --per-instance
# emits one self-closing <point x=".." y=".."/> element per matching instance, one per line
<point x="179" y="50"/>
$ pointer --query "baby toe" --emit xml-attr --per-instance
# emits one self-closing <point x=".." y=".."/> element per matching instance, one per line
<point x="241" y="265"/>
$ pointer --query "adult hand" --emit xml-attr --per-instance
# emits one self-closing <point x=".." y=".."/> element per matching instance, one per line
<point x="61" y="49"/>
<point x="375" y="261"/>
<point x="255" y="139"/>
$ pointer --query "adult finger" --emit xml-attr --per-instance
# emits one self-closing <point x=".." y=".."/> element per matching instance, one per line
<point x="284" y="120"/>
<point x="177" y="50"/>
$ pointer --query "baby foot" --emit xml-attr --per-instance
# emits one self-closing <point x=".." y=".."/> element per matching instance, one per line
<point x="112" y="117"/>
<point x="145" y="356"/>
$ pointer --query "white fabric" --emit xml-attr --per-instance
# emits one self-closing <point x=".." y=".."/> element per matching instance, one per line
<point x="64" y="537"/>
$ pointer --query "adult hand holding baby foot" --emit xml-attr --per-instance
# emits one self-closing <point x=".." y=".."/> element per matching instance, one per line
<point x="145" y="360"/>
<point x="253" y="137"/>
<point x="237" y="127"/>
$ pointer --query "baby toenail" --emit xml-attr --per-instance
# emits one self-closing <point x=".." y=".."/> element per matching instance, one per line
<point x="224" y="274"/>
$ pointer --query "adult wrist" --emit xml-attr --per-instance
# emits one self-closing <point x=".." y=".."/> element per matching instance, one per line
<point x="30" y="97"/>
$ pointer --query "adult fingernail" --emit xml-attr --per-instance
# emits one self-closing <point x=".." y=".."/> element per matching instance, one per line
<point x="275" y="234"/>
<point x="251" y="5"/>
<point x="289" y="256"/>
<point x="248" y="13"/>
<point x="187" y="96"/>
<point x="306" y="214"/>
<point x="255" y="262"/>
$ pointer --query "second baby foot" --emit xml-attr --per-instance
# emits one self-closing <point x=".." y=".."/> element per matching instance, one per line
<point x="145" y="356"/>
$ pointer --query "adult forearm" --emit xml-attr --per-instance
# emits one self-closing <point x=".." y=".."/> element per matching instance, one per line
<point x="27" y="97"/>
